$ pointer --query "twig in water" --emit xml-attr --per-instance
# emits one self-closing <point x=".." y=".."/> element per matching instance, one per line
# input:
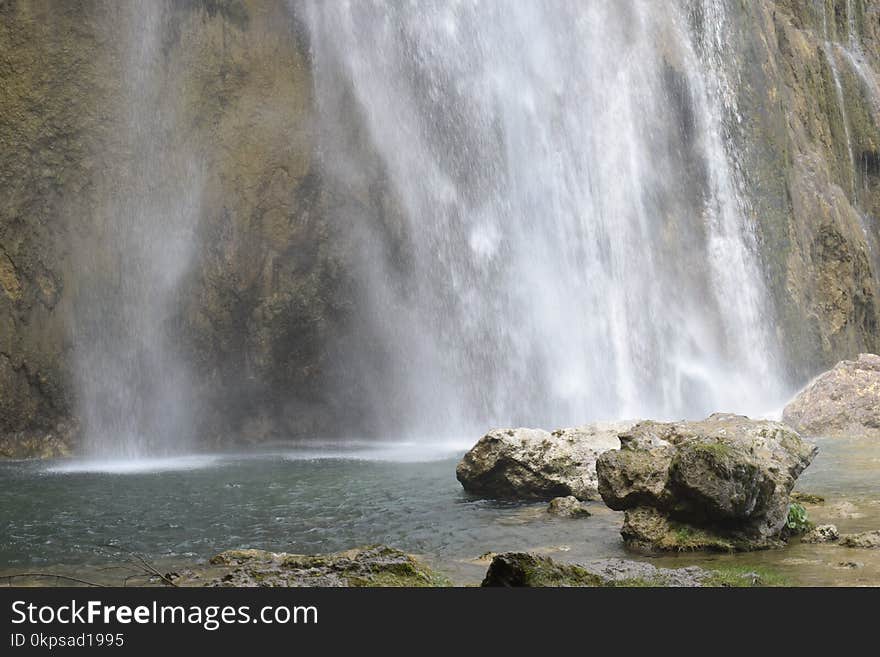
<point x="55" y="575"/>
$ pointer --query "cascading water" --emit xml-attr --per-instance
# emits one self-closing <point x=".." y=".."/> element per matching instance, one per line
<point x="133" y="388"/>
<point x="566" y="238"/>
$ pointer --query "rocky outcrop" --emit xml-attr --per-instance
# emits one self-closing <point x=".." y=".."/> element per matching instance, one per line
<point x="515" y="569"/>
<point x="821" y="534"/>
<point x="378" y="566"/>
<point x="568" y="507"/>
<point x="865" y="540"/>
<point x="722" y="483"/>
<point x="843" y="402"/>
<point x="533" y="464"/>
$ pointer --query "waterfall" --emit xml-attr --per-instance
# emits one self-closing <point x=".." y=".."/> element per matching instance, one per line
<point x="548" y="211"/>
<point x="133" y="388"/>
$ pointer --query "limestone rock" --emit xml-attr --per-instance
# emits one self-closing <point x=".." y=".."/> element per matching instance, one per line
<point x="371" y="566"/>
<point x="522" y="569"/>
<point x="720" y="483"/>
<point x="869" y="540"/>
<point x="533" y="464"/>
<point x="821" y="534"/>
<point x="568" y="507"/>
<point x="515" y="569"/>
<point x="844" y="401"/>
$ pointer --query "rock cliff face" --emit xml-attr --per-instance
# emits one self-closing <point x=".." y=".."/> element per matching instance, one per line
<point x="264" y="290"/>
<point x="807" y="87"/>
<point x="262" y="309"/>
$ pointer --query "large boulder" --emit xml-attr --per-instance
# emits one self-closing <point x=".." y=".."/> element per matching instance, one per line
<point x="844" y="401"/>
<point x="533" y="464"/>
<point x="721" y="483"/>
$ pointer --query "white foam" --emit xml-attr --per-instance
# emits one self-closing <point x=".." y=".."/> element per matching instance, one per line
<point x="319" y="450"/>
<point x="135" y="466"/>
<point x="394" y="452"/>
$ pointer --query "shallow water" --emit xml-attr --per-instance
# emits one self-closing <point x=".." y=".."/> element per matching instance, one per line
<point x="76" y="518"/>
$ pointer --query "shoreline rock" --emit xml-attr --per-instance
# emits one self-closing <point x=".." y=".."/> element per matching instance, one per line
<point x="722" y="483"/>
<point x="523" y="569"/>
<point x="369" y="566"/>
<point x="821" y="534"/>
<point x="864" y="540"/>
<point x="533" y="464"/>
<point x="842" y="402"/>
<point x="568" y="507"/>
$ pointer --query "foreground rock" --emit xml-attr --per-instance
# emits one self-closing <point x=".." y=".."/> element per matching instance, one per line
<point x="378" y="566"/>
<point x="821" y="534"/>
<point x="722" y="483"/>
<point x="842" y="402"/>
<point x="865" y="540"/>
<point x="568" y="507"/>
<point x="533" y="464"/>
<point x="514" y="569"/>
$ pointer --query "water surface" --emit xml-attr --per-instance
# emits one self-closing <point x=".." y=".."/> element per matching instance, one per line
<point x="74" y="517"/>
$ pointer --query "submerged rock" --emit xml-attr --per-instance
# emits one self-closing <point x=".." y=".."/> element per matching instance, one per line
<point x="722" y="483"/>
<point x="377" y="565"/>
<point x="533" y="464"/>
<point x="568" y="507"/>
<point x="515" y="569"/>
<point x="842" y="402"/>
<point x="821" y="534"/>
<point x="807" y="498"/>
<point x="868" y="540"/>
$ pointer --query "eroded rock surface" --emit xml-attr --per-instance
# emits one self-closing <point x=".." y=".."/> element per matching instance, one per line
<point x="515" y="569"/>
<point x="865" y="540"/>
<point x="821" y="534"/>
<point x="842" y="402"/>
<point x="533" y="464"/>
<point x="568" y="507"/>
<point x="377" y="565"/>
<point x="722" y="483"/>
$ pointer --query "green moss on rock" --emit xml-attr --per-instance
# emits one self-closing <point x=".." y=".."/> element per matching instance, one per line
<point x="370" y="566"/>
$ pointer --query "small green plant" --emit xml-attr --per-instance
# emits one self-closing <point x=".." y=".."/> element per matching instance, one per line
<point x="797" y="522"/>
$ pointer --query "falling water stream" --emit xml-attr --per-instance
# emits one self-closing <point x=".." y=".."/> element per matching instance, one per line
<point x="568" y="241"/>
<point x="551" y="228"/>
<point x="132" y="384"/>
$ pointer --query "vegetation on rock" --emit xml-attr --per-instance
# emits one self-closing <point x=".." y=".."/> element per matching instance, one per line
<point x="371" y="566"/>
<point x="719" y="484"/>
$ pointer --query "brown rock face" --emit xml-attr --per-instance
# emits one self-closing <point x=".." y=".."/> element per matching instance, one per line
<point x="264" y="291"/>
<point x="842" y="402"/>
<point x="812" y="134"/>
